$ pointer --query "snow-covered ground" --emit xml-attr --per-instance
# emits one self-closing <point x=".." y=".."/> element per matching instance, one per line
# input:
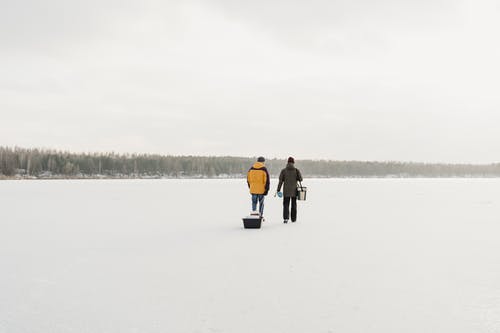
<point x="366" y="255"/>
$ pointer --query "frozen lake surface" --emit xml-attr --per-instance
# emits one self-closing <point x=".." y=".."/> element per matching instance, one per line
<point x="366" y="255"/>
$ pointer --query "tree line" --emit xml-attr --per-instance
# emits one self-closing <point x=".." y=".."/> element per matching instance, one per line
<point x="45" y="163"/>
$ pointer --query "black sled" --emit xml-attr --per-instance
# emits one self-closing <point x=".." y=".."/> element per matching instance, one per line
<point x="253" y="221"/>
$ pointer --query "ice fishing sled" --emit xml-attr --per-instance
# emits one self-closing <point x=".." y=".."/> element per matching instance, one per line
<point x="252" y="221"/>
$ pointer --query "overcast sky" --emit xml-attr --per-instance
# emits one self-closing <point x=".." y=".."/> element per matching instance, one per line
<point x="365" y="80"/>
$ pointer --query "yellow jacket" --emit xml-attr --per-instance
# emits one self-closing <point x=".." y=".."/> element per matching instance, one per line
<point x="258" y="179"/>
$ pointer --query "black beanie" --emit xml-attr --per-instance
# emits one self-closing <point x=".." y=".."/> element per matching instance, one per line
<point x="261" y="159"/>
<point x="291" y="160"/>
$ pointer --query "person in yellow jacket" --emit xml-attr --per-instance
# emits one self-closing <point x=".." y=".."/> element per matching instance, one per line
<point x="258" y="183"/>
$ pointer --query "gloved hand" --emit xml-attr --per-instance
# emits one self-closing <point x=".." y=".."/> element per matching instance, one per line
<point x="280" y="194"/>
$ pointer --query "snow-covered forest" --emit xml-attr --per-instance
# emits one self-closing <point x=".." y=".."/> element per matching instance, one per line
<point x="44" y="163"/>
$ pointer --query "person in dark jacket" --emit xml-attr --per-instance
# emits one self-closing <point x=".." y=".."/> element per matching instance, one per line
<point x="258" y="184"/>
<point x="289" y="177"/>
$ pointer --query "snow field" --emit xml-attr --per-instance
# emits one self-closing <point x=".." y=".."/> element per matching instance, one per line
<point x="366" y="255"/>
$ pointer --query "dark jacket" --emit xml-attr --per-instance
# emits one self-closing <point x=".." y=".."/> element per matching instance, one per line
<point x="258" y="179"/>
<point x="289" y="176"/>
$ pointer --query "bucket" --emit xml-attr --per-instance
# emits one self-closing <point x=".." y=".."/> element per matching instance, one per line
<point x="301" y="192"/>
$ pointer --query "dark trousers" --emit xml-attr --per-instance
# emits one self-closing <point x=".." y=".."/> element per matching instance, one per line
<point x="286" y="208"/>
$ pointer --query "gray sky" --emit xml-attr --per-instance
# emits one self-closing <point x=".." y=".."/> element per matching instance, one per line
<point x="367" y="80"/>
